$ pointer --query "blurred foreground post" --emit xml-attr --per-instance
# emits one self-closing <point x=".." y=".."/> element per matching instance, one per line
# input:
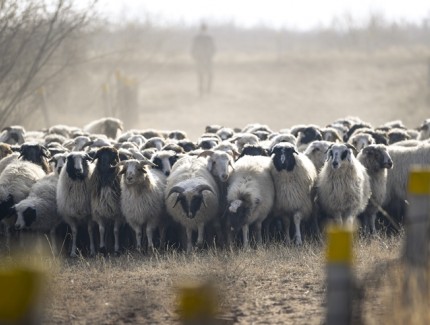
<point x="417" y="224"/>
<point x="20" y="295"/>
<point x="197" y="303"/>
<point x="339" y="275"/>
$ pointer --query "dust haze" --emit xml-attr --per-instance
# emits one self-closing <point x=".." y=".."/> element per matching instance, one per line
<point x="143" y="73"/>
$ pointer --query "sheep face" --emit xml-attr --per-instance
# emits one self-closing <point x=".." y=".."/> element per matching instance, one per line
<point x="207" y="143"/>
<point x="25" y="218"/>
<point x="339" y="155"/>
<point x="164" y="160"/>
<point x="377" y="157"/>
<point x="177" y="135"/>
<point x="33" y="152"/>
<point x="14" y="134"/>
<point x="283" y="157"/>
<point x="190" y="199"/>
<point x="107" y="158"/>
<point x="187" y="145"/>
<point x="58" y="161"/>
<point x="77" y="167"/>
<point x="80" y="142"/>
<point x="220" y="164"/>
<point x="5" y="150"/>
<point x="133" y="170"/>
<point x="397" y="136"/>
<point x="360" y="141"/>
<point x="157" y="143"/>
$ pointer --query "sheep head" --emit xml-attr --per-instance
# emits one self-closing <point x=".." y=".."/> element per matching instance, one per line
<point x="220" y="163"/>
<point x="338" y="154"/>
<point x="283" y="156"/>
<point x="190" y="199"/>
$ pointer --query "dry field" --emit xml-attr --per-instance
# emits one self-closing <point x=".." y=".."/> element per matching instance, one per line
<point x="274" y="284"/>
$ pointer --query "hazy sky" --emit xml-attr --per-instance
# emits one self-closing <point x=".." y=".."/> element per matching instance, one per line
<point x="302" y="14"/>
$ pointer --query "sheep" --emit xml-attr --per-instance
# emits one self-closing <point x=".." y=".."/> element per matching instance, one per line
<point x="73" y="196"/>
<point x="361" y="140"/>
<point x="57" y="162"/>
<point x="108" y="125"/>
<point x="105" y="192"/>
<point x="38" y="211"/>
<point x="283" y="137"/>
<point x="306" y="136"/>
<point x="331" y="134"/>
<point x="253" y="150"/>
<point x="228" y="147"/>
<point x="424" y="130"/>
<point x="36" y="153"/>
<point x="376" y="160"/>
<point x="343" y="186"/>
<point x="250" y="195"/>
<point x="156" y="143"/>
<point x="397" y="177"/>
<point x="177" y="135"/>
<point x="12" y="135"/>
<point x="316" y="152"/>
<point x="397" y="135"/>
<point x="187" y="145"/>
<point x="294" y="177"/>
<point x="173" y="147"/>
<point x="225" y="133"/>
<point x="164" y="160"/>
<point x="214" y="128"/>
<point x="192" y="186"/>
<point x="16" y="181"/>
<point x="244" y="138"/>
<point x="142" y="199"/>
<point x="361" y="126"/>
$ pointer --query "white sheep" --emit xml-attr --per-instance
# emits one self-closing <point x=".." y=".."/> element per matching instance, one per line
<point x="376" y="160"/>
<point x="192" y="196"/>
<point x="424" y="130"/>
<point x="317" y="152"/>
<point x="108" y="126"/>
<point x="16" y="181"/>
<point x="294" y="177"/>
<point x="142" y="199"/>
<point x="343" y="186"/>
<point x="73" y="196"/>
<point x="38" y="211"/>
<point x="397" y="177"/>
<point x="250" y="195"/>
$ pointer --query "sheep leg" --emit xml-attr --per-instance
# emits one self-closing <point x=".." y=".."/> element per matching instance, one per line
<point x="149" y="232"/>
<point x="162" y="233"/>
<point x="102" y="230"/>
<point x="74" y="229"/>
<point x="138" y="231"/>
<point x="200" y="235"/>
<point x="116" y="227"/>
<point x="189" y="239"/>
<point x="286" y="223"/>
<point x="91" y="235"/>
<point x="298" y="236"/>
<point x="259" y="234"/>
<point x="372" y="224"/>
<point x="245" y="235"/>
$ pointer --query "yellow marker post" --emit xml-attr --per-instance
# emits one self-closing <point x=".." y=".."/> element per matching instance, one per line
<point x="197" y="303"/>
<point x="417" y="227"/>
<point x="339" y="275"/>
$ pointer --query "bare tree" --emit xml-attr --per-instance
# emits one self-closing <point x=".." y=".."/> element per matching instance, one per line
<point x="31" y="32"/>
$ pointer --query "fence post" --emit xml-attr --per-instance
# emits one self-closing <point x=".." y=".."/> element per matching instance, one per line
<point x="339" y="275"/>
<point x="417" y="224"/>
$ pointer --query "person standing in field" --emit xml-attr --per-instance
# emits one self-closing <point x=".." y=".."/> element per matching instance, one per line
<point x="203" y="51"/>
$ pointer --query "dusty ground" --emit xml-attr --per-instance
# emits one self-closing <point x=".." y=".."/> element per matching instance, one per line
<point x="271" y="285"/>
<point x="274" y="284"/>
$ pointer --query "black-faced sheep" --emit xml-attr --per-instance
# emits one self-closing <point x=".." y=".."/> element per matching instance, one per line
<point x="376" y="160"/>
<point x="192" y="196"/>
<point x="294" y="177"/>
<point x="105" y="192"/>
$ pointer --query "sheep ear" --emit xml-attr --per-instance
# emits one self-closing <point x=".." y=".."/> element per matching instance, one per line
<point x="147" y="162"/>
<point x="205" y="153"/>
<point x="354" y="149"/>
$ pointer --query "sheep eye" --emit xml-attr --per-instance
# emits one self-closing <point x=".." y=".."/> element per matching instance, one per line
<point x="316" y="149"/>
<point x="344" y="154"/>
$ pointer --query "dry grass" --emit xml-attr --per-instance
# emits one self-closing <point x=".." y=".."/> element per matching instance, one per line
<point x="272" y="284"/>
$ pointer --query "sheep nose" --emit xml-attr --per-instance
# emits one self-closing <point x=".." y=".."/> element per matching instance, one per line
<point x="389" y="164"/>
<point x="335" y="164"/>
<point x="224" y="177"/>
<point x="17" y="227"/>
<point x="167" y="173"/>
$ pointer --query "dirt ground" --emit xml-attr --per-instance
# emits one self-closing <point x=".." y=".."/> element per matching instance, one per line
<point x="275" y="284"/>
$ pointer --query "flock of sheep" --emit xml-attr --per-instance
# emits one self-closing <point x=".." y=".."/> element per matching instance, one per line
<point x="228" y="185"/>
